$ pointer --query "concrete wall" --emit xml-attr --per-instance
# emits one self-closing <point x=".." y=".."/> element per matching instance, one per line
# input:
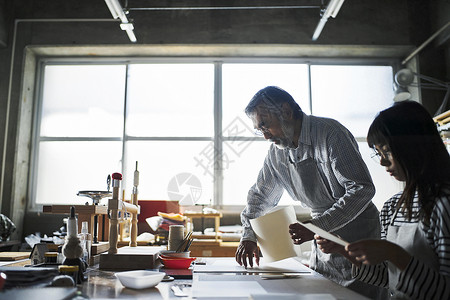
<point x="27" y="23"/>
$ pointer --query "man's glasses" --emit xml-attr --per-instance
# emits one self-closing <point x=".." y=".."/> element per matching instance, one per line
<point x="262" y="131"/>
<point x="263" y="128"/>
<point x="378" y="155"/>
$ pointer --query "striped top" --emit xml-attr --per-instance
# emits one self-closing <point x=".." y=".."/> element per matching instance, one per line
<point x="418" y="280"/>
<point x="325" y="173"/>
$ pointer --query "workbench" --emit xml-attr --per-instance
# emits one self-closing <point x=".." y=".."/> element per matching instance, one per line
<point x="102" y="284"/>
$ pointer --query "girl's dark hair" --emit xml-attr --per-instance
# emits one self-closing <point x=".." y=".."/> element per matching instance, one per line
<point x="412" y="137"/>
<point x="272" y="97"/>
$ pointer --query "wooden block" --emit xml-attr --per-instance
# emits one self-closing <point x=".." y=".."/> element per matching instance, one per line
<point x="131" y="258"/>
<point x="100" y="247"/>
<point x="94" y="260"/>
<point x="12" y="256"/>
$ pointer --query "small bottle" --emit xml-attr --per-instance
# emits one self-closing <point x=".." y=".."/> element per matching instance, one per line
<point x="60" y="259"/>
<point x="86" y="241"/>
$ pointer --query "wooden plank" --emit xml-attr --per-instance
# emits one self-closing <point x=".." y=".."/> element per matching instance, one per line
<point x="442" y="116"/>
<point x="79" y="209"/>
<point x="206" y="242"/>
<point x="127" y="243"/>
<point x="200" y="215"/>
<point x="11" y="256"/>
<point x="18" y="263"/>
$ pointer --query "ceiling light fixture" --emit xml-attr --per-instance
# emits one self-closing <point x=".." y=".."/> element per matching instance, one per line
<point x="331" y="11"/>
<point x="117" y="12"/>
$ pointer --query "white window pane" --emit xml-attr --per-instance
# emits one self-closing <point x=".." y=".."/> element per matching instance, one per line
<point x="170" y="100"/>
<point x="351" y="94"/>
<point x="385" y="185"/>
<point x="242" y="81"/>
<point x="241" y="172"/>
<point x="83" y="101"/>
<point x="68" y="167"/>
<point x="161" y="163"/>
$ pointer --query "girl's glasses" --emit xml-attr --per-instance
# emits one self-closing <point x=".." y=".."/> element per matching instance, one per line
<point x="382" y="154"/>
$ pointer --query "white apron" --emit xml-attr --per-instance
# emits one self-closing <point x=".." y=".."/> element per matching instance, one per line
<point x="313" y="193"/>
<point x="410" y="237"/>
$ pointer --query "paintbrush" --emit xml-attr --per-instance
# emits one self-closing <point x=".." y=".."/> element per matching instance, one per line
<point x="184" y="243"/>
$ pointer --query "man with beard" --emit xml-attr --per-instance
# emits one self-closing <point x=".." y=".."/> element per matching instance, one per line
<point x="317" y="161"/>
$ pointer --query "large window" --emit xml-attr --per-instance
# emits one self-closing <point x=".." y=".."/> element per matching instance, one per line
<point x="183" y="122"/>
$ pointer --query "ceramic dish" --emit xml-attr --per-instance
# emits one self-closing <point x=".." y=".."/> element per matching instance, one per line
<point x="172" y="257"/>
<point x="177" y="262"/>
<point x="140" y="279"/>
<point x="168" y="253"/>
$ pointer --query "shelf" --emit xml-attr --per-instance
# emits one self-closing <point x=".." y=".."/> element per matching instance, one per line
<point x="443" y="118"/>
<point x="215" y="216"/>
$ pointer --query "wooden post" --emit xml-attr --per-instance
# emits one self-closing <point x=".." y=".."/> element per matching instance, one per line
<point x="134" y="221"/>
<point x="113" y="207"/>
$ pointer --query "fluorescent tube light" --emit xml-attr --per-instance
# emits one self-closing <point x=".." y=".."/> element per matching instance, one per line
<point x="112" y="9"/>
<point x="331" y="11"/>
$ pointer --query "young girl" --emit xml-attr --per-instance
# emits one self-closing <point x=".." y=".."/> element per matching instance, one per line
<point x="413" y="257"/>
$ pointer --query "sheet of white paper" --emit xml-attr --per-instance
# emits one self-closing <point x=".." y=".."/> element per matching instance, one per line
<point x="272" y="233"/>
<point x="288" y="265"/>
<point x="280" y="296"/>
<point x="226" y="289"/>
<point x="324" y="234"/>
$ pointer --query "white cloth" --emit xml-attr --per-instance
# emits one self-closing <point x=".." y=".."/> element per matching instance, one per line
<point x="427" y="275"/>
<point x="413" y="240"/>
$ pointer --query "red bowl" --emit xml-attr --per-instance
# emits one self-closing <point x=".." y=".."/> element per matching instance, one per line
<point x="177" y="263"/>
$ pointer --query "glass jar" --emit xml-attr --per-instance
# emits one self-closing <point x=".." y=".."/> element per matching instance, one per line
<point x="71" y="271"/>
<point x="51" y="257"/>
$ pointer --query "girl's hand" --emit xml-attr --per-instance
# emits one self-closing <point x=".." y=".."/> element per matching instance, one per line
<point x="372" y="252"/>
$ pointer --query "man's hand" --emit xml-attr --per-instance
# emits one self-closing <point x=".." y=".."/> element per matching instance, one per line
<point x="247" y="250"/>
<point x="300" y="234"/>
<point x="327" y="246"/>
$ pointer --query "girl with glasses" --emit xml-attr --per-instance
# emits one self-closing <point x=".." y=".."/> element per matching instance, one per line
<point x="412" y="258"/>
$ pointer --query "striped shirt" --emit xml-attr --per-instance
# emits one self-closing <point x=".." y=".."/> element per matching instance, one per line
<point x="418" y="280"/>
<point x="340" y="192"/>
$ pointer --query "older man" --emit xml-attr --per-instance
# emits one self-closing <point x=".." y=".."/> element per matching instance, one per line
<point x="316" y="160"/>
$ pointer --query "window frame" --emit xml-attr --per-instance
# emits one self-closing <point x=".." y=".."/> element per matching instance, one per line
<point x="218" y="138"/>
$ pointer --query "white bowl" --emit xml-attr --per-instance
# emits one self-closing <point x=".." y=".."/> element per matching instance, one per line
<point x="140" y="279"/>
